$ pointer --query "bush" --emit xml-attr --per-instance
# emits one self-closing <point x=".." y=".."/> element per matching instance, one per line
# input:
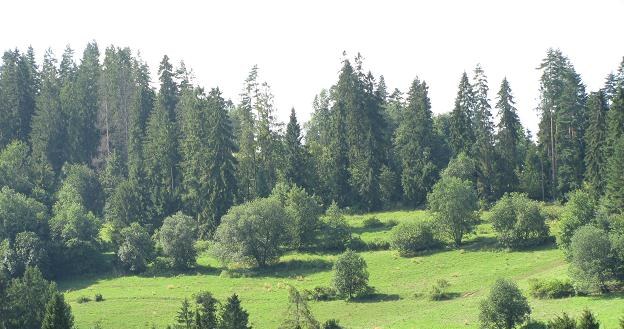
<point x="331" y="324"/>
<point x="579" y="211"/>
<point x="350" y="275"/>
<point x="378" y="244"/>
<point x="176" y="237"/>
<point x="534" y="324"/>
<point x="335" y="230"/>
<point x="439" y="291"/>
<point x="99" y="298"/>
<point x="454" y="203"/>
<point x="321" y="293"/>
<point x="161" y="265"/>
<point x="505" y="306"/>
<point x="136" y="248"/>
<point x="83" y="299"/>
<point x="356" y="243"/>
<point x="563" y="321"/>
<point x="591" y="260"/>
<point x="372" y="222"/>
<point x="253" y="233"/>
<point x="410" y="238"/>
<point x="518" y="221"/>
<point x="551" y="289"/>
<point x="304" y="211"/>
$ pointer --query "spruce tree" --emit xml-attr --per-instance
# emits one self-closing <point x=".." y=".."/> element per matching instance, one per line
<point x="233" y="315"/>
<point x="161" y="167"/>
<point x="57" y="314"/>
<point x="244" y="131"/>
<point x="483" y="148"/>
<point x="596" y="141"/>
<point x="508" y="141"/>
<point x="415" y="145"/>
<point x="47" y="135"/>
<point x="614" y="193"/>
<point x="294" y="153"/>
<point x="462" y="136"/>
<point x="168" y="92"/>
<point x="185" y="317"/>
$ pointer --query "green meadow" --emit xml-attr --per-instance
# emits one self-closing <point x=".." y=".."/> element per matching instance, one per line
<point x="400" y="283"/>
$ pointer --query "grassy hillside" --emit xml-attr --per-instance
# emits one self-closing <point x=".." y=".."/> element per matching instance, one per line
<point x="138" y="302"/>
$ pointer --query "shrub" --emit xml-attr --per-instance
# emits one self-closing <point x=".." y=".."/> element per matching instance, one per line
<point x="454" y="203"/>
<point x="321" y="293"/>
<point x="304" y="211"/>
<point x="253" y="233"/>
<point x="378" y="244"/>
<point x="331" y="324"/>
<point x="563" y="321"/>
<point x="410" y="238"/>
<point x="99" y="297"/>
<point x="439" y="291"/>
<point x="505" y="306"/>
<point x="161" y="265"/>
<point x="518" y="221"/>
<point x="590" y="259"/>
<point x="356" y="243"/>
<point x="83" y="299"/>
<point x="350" y="275"/>
<point x="579" y="211"/>
<point x="177" y="238"/>
<point x="136" y="248"/>
<point x="372" y="222"/>
<point x="335" y="230"/>
<point x="534" y="324"/>
<point x="551" y="289"/>
<point x="588" y="321"/>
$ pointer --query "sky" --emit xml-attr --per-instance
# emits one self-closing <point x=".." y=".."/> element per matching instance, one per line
<point x="298" y="45"/>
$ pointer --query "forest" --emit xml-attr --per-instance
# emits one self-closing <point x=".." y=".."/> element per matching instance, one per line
<point x="107" y="170"/>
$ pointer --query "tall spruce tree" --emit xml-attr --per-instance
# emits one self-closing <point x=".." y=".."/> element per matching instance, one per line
<point x="168" y="92"/>
<point x="462" y="136"/>
<point x="508" y="141"/>
<point x="233" y="315"/>
<point x="562" y="124"/>
<point x="596" y="141"/>
<point x="161" y="166"/>
<point x="244" y="131"/>
<point x="483" y="149"/>
<point x="294" y="171"/>
<point x="614" y="194"/>
<point x="48" y="128"/>
<point x="266" y="141"/>
<point x="57" y="314"/>
<point x="415" y="145"/>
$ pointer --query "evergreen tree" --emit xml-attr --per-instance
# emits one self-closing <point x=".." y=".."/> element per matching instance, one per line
<point x="415" y="144"/>
<point x="562" y="124"/>
<point x="266" y="141"/>
<point x="614" y="194"/>
<point x="185" y="317"/>
<point x="298" y="314"/>
<point x="233" y="315"/>
<point x="57" y="314"/>
<point x="206" y="313"/>
<point x="596" y="139"/>
<point x="161" y="167"/>
<point x="47" y="136"/>
<point x="294" y="157"/>
<point x="82" y="135"/>
<point x="461" y="124"/>
<point x="483" y="149"/>
<point x="244" y="131"/>
<point x="508" y="141"/>
<point x="142" y="104"/>
<point x="168" y="92"/>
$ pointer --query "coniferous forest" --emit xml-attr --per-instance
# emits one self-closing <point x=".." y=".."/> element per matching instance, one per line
<point x="106" y="169"/>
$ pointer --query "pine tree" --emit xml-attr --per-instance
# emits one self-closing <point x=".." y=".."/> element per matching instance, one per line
<point x="233" y="315"/>
<point x="462" y="136"/>
<point x="294" y="157"/>
<point x="508" y="141"/>
<point x="140" y="109"/>
<point x="205" y="315"/>
<point x="185" y="317"/>
<point x="244" y="130"/>
<point x="57" y="314"/>
<point x="596" y="139"/>
<point x="483" y="148"/>
<point x="415" y="145"/>
<point x="48" y="134"/>
<point x="614" y="194"/>
<point x="266" y="141"/>
<point x="588" y="321"/>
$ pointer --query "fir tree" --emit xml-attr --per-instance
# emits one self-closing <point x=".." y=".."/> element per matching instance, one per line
<point x="168" y="92"/>
<point x="614" y="194"/>
<point x="185" y="317"/>
<point x="244" y="130"/>
<point x="294" y="157"/>
<point x="57" y="314"/>
<point x="233" y="315"/>
<point x="461" y="126"/>
<point x="483" y="149"/>
<point x="47" y="136"/>
<point x="596" y="139"/>
<point x="508" y="141"/>
<point x="415" y="145"/>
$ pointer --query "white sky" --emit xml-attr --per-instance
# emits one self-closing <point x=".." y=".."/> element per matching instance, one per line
<point x="298" y="45"/>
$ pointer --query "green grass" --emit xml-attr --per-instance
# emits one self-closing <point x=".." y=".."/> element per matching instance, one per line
<point x="137" y="302"/>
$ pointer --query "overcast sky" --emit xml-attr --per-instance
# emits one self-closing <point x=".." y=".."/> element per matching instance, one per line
<point x="298" y="45"/>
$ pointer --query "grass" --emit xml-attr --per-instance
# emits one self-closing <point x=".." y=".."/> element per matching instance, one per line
<point x="401" y="283"/>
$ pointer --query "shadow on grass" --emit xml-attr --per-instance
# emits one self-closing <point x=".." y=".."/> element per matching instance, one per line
<point x="376" y="298"/>
<point x="360" y="230"/>
<point x="608" y="296"/>
<point x="287" y="269"/>
<point x="490" y="243"/>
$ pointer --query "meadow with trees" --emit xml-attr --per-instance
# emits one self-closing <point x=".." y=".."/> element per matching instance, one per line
<point x="128" y="201"/>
